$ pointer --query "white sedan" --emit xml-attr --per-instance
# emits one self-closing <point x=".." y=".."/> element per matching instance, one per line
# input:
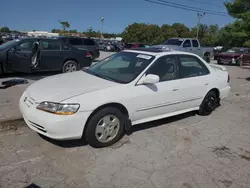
<point x="134" y="86"/>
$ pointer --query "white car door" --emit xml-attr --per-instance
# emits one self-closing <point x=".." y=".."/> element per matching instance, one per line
<point x="194" y="79"/>
<point x="153" y="100"/>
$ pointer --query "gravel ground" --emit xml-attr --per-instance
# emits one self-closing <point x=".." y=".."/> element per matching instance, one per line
<point x="187" y="151"/>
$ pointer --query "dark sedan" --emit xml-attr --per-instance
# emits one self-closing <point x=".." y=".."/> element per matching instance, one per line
<point x="233" y="56"/>
<point x="33" y="54"/>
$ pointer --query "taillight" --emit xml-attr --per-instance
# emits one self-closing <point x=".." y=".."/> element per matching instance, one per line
<point x="228" y="78"/>
<point x="88" y="54"/>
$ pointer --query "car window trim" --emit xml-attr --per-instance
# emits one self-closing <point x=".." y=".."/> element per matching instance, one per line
<point x="199" y="61"/>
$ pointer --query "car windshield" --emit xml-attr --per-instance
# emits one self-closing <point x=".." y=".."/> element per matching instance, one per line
<point x="174" y="42"/>
<point x="237" y="50"/>
<point x="122" y="67"/>
<point x="8" y="44"/>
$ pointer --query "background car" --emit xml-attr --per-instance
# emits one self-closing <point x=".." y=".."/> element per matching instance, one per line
<point x="83" y="43"/>
<point x="233" y="56"/>
<point x="133" y="45"/>
<point x="106" y="47"/>
<point x="51" y="55"/>
<point x="190" y="45"/>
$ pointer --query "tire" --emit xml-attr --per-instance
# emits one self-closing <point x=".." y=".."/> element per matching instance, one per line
<point x="219" y="62"/>
<point x="207" y="59"/>
<point x="108" y="133"/>
<point x="209" y="104"/>
<point x="69" y="66"/>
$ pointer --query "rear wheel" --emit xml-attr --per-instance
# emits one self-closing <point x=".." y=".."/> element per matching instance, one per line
<point x="105" y="127"/>
<point x="209" y="103"/>
<point x="207" y="58"/>
<point x="70" y="66"/>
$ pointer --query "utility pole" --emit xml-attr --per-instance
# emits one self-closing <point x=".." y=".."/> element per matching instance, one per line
<point x="102" y="20"/>
<point x="199" y="16"/>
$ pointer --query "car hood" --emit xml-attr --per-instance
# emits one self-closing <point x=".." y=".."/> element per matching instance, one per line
<point x="65" y="86"/>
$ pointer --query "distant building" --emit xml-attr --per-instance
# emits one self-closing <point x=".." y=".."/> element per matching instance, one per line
<point x="42" y="34"/>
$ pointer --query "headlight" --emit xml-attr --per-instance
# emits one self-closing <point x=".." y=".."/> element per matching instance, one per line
<point x="57" y="108"/>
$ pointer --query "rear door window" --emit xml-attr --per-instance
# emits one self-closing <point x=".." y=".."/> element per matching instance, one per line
<point x="88" y="42"/>
<point x="191" y="66"/>
<point x="187" y="44"/>
<point x="195" y="43"/>
<point x="51" y="45"/>
<point x="76" y="41"/>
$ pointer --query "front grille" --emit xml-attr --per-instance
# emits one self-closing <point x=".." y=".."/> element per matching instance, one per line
<point x="39" y="127"/>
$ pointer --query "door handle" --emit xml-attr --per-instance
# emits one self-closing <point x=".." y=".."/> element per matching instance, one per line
<point x="175" y="89"/>
<point x="206" y="84"/>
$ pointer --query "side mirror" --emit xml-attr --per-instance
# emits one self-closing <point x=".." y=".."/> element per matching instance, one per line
<point x="150" y="79"/>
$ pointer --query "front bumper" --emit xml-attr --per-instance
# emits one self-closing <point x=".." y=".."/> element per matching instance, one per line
<point x="57" y="127"/>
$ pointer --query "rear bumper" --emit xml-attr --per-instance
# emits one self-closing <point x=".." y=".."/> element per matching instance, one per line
<point x="86" y="63"/>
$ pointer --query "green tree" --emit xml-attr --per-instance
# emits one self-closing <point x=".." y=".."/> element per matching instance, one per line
<point x="182" y="30"/>
<point x="238" y="32"/>
<point x="5" y="30"/>
<point x="65" y="25"/>
<point x="143" y="33"/>
<point x="167" y="31"/>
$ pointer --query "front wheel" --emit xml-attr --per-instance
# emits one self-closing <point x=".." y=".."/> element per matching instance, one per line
<point x="105" y="127"/>
<point x="69" y="66"/>
<point x="209" y="103"/>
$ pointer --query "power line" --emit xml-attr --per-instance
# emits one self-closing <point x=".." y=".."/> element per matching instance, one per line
<point x="183" y="7"/>
<point x="206" y="3"/>
<point x="177" y="4"/>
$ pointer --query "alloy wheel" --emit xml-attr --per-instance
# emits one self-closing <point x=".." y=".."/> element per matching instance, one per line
<point x="70" y="67"/>
<point x="107" y="128"/>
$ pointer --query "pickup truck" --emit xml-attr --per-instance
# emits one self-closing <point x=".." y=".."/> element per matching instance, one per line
<point x="187" y="45"/>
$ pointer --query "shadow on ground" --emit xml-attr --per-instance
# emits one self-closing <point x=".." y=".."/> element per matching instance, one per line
<point x="139" y="127"/>
<point x="248" y="78"/>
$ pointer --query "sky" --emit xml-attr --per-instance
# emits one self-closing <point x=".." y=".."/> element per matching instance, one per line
<point x="26" y="15"/>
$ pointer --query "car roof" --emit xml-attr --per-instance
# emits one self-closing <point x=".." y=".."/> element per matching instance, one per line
<point x="157" y="52"/>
